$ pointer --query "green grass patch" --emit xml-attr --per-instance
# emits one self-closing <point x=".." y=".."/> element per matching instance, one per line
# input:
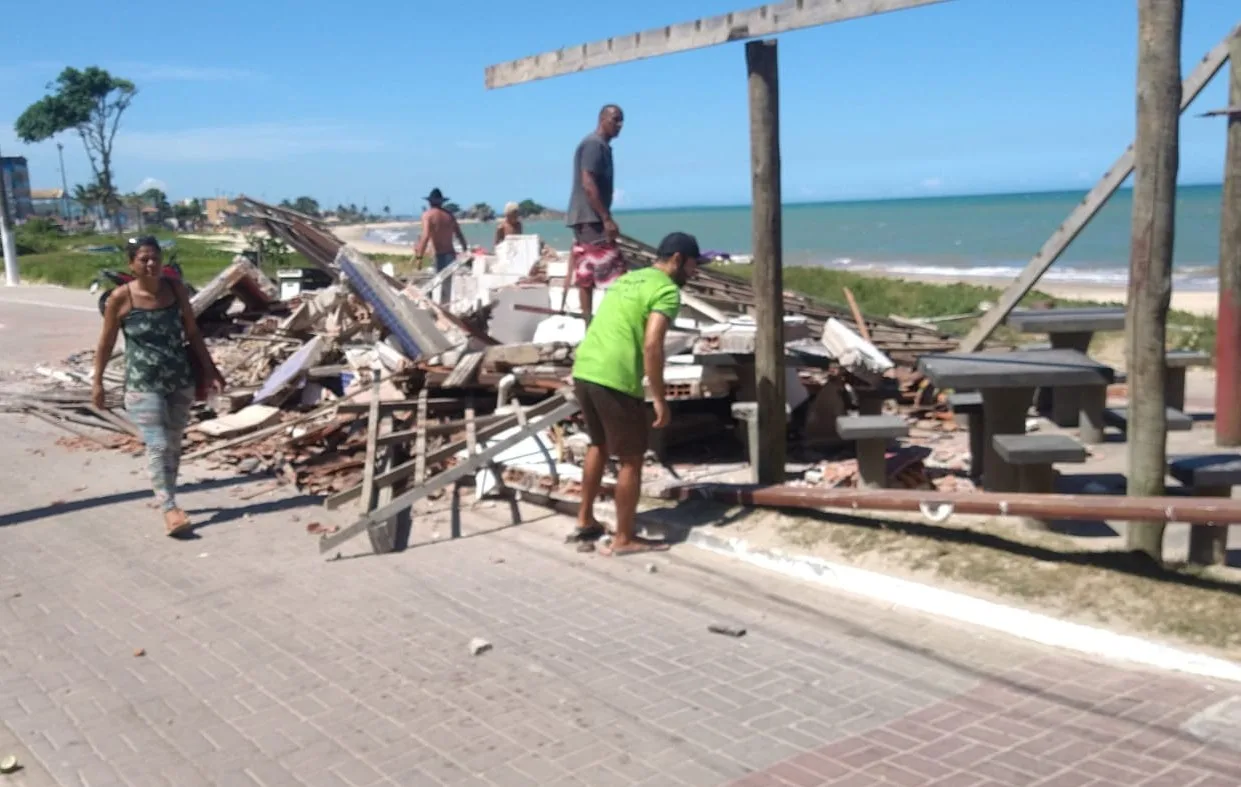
<point x="879" y="296"/>
<point x="63" y="259"/>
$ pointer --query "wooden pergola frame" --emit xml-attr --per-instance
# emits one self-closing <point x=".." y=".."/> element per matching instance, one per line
<point x="762" y="70"/>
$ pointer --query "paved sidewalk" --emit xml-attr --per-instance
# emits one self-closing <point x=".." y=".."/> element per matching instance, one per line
<point x="265" y="664"/>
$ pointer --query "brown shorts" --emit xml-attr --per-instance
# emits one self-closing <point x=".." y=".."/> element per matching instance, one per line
<point x="615" y="421"/>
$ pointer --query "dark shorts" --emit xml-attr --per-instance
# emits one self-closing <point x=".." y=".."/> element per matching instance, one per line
<point x="615" y="421"/>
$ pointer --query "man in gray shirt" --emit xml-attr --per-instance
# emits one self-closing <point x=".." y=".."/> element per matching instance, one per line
<point x="595" y="260"/>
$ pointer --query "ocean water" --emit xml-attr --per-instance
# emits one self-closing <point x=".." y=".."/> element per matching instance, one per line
<point x="983" y="236"/>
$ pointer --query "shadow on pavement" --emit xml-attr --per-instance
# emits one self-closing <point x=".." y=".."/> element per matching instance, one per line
<point x="60" y="507"/>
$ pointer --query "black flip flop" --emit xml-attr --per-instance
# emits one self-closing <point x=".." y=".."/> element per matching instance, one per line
<point x="581" y="535"/>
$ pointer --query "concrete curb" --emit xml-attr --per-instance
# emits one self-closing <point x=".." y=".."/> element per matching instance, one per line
<point x="967" y="609"/>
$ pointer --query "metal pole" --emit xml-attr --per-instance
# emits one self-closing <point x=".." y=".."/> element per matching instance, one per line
<point x="1228" y="325"/>
<point x="938" y="506"/>
<point x="7" y="239"/>
<point x="64" y="183"/>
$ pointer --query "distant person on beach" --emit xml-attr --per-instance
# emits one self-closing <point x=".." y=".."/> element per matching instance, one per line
<point x="623" y="344"/>
<point x="438" y="228"/>
<point x="161" y="333"/>
<point x="595" y="260"/>
<point x="510" y="222"/>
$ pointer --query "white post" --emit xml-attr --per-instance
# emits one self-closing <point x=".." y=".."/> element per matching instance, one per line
<point x="7" y="238"/>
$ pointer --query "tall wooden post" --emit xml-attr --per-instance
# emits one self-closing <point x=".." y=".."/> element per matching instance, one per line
<point x="1228" y="323"/>
<point x="1156" y="150"/>
<point x="761" y="63"/>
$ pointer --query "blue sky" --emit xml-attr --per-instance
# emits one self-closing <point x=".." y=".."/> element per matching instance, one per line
<point x="282" y="98"/>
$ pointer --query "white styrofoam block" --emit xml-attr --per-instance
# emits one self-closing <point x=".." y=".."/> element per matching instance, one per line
<point x="560" y="328"/>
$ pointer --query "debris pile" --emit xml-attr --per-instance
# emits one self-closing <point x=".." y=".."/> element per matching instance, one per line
<point x="378" y="390"/>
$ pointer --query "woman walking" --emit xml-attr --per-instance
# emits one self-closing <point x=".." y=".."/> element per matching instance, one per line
<point x="160" y="330"/>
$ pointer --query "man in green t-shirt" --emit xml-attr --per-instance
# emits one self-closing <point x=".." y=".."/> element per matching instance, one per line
<point x="624" y="343"/>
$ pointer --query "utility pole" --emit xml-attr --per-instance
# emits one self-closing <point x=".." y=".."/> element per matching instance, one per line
<point x="1228" y="325"/>
<point x="64" y="182"/>
<point x="7" y="239"/>
<point x="1156" y="150"/>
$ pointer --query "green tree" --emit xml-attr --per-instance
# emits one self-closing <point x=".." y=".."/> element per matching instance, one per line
<point x="528" y="207"/>
<point x="387" y="210"/>
<point x="158" y="200"/>
<point x="188" y="215"/>
<point x="306" y="205"/>
<point x="452" y="208"/>
<point x="90" y="197"/>
<point x="481" y="211"/>
<point x="90" y="102"/>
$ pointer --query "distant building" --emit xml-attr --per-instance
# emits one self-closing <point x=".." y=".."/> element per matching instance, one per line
<point x="218" y="210"/>
<point x="15" y="179"/>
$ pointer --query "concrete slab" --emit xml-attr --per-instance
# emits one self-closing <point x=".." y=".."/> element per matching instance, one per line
<point x="1119" y="418"/>
<point x="1038" y="449"/>
<point x="871" y="427"/>
<point x="1207" y="470"/>
<point x="1022" y="369"/>
<point x="1085" y="320"/>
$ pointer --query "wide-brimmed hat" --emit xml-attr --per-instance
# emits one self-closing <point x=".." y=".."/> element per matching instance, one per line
<point x="436" y="196"/>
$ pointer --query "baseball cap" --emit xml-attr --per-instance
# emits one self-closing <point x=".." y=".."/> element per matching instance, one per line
<point x="680" y="243"/>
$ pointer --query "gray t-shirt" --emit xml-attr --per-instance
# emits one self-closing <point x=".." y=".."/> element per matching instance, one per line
<point x="594" y="155"/>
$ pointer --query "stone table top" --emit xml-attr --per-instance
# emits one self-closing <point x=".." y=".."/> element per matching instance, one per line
<point x="1021" y="369"/>
<point x="1084" y="320"/>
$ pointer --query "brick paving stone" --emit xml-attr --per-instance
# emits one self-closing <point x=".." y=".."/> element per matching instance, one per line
<point x="267" y="665"/>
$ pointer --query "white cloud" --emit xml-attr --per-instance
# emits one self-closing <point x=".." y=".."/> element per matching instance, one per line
<point x="932" y="183"/>
<point x="243" y="142"/>
<point x="618" y="197"/>
<point x="149" y="183"/>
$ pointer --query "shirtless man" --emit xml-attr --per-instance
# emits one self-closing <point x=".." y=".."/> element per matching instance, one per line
<point x="438" y="228"/>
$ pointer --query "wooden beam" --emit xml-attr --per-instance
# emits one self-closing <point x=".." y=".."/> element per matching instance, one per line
<point x="1156" y="154"/>
<point x="1228" y="324"/>
<point x="765" y="20"/>
<point x="563" y="408"/>
<point x="1094" y="200"/>
<point x="1229" y="111"/>
<point x="762" y="66"/>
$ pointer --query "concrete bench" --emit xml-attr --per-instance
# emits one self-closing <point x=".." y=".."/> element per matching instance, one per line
<point x="1034" y="457"/>
<point x="969" y="404"/>
<point x="872" y="433"/>
<point x="1178" y="363"/>
<point x="1208" y="475"/>
<point x="1119" y="418"/>
<point x="746" y="413"/>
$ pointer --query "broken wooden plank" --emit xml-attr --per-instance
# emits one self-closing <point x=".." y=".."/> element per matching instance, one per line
<point x="288" y="374"/>
<point x="465" y="372"/>
<point x="256" y="416"/>
<point x="411" y="435"/>
<point x="403" y="471"/>
<point x="562" y="408"/>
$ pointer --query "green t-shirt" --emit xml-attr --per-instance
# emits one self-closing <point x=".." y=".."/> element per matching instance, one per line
<point x="611" y="353"/>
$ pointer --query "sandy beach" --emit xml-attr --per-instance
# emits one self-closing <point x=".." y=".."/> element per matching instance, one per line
<point x="355" y="236"/>
<point x="1201" y="302"/>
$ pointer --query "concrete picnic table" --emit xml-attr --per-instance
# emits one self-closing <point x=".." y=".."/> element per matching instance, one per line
<point x="1007" y="381"/>
<point x="1071" y="329"/>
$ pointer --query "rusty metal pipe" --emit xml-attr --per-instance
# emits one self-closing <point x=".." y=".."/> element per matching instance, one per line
<point x="939" y="505"/>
